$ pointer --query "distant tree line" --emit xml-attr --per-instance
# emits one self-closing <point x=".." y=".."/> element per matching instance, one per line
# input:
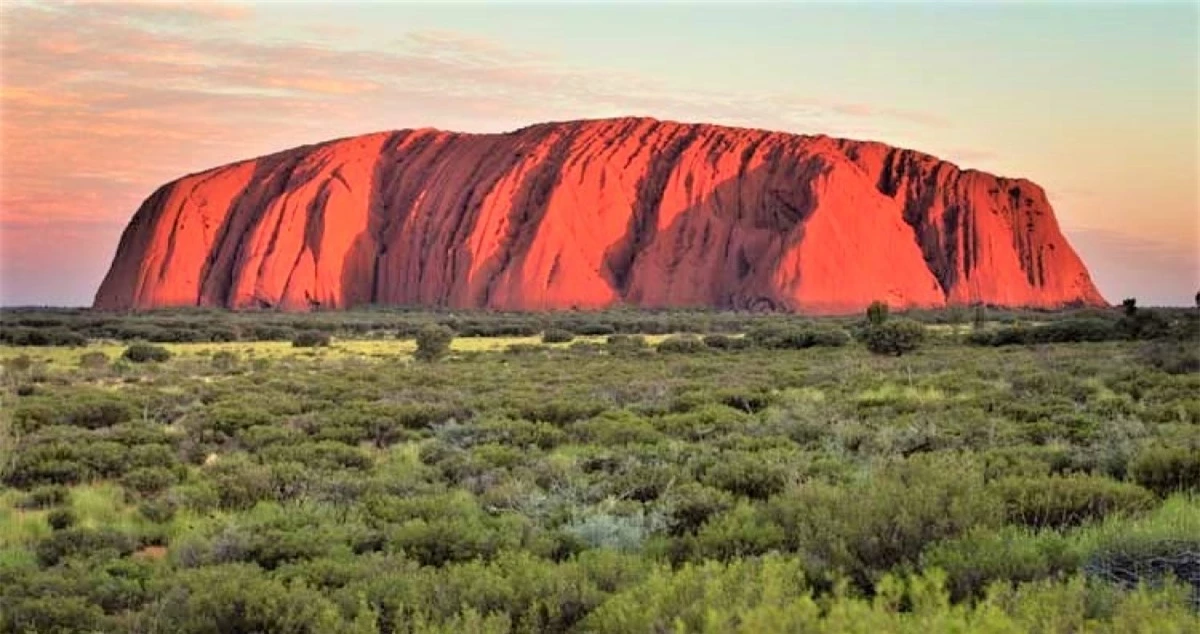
<point x="75" y="327"/>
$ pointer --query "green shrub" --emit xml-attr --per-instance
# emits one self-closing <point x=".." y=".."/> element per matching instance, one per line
<point x="1000" y="337"/>
<point x="1059" y="502"/>
<point x="327" y="454"/>
<point x="705" y="421"/>
<point x="557" y="335"/>
<point x="726" y="342"/>
<point x="159" y="510"/>
<point x="1143" y="324"/>
<point x="740" y="532"/>
<point x="433" y="342"/>
<point x="829" y="336"/>
<point x="60" y="519"/>
<point x="594" y="329"/>
<point x="441" y="541"/>
<point x="71" y="542"/>
<point x="626" y="343"/>
<point x="97" y="412"/>
<point x="520" y="592"/>
<point x="41" y="337"/>
<point x="749" y="401"/>
<point x="49" y="464"/>
<point x="616" y="428"/>
<point x="681" y="344"/>
<point x="867" y="527"/>
<point x="1010" y="555"/>
<point x="89" y="409"/>
<point x="242" y="598"/>
<point x="94" y="360"/>
<point x="1070" y="330"/>
<point x="708" y="597"/>
<point x="894" y="337"/>
<point x="240" y="483"/>
<point x="746" y="475"/>
<point x="797" y="336"/>
<point x="559" y="411"/>
<point x="46" y="496"/>
<point x="148" y="480"/>
<point x="1167" y="470"/>
<point x="270" y="332"/>
<point x="690" y="505"/>
<point x="50" y="613"/>
<point x="144" y="352"/>
<point x="311" y="339"/>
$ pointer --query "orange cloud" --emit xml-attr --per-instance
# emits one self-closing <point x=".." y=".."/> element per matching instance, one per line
<point x="324" y="86"/>
<point x="164" y="10"/>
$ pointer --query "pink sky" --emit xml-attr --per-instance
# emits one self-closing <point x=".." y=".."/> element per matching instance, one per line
<point x="103" y="102"/>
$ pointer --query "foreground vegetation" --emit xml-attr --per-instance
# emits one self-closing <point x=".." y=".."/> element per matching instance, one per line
<point x="761" y="474"/>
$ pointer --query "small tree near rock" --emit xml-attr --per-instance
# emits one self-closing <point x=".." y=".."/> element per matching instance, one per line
<point x="894" y="337"/>
<point x="877" y="313"/>
<point x="979" y="317"/>
<point x="433" y="342"/>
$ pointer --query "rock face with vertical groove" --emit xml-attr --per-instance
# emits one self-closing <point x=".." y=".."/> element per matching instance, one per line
<point x="589" y="214"/>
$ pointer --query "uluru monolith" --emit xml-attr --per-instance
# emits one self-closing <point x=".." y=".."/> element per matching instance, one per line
<point x="591" y="214"/>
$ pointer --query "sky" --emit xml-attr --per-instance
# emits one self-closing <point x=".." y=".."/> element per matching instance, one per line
<point x="100" y="103"/>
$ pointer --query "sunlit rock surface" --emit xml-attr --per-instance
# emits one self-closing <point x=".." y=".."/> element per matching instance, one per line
<point x="589" y="214"/>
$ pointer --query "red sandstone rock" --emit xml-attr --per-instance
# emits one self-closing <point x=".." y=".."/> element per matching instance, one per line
<point x="587" y="214"/>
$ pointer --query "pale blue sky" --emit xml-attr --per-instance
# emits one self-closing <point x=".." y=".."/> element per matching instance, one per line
<point x="1097" y="102"/>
